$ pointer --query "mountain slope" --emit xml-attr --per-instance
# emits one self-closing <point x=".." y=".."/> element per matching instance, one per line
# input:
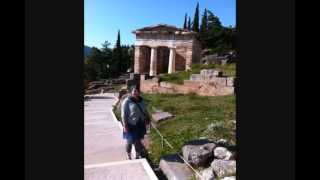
<point x="87" y="51"/>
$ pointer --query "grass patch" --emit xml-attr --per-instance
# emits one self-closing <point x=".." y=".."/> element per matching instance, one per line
<point x="227" y="69"/>
<point x="195" y="117"/>
<point x="176" y="78"/>
<point x="179" y="77"/>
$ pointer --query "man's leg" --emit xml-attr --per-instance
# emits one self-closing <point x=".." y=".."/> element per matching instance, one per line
<point x="139" y="149"/>
<point x="128" y="148"/>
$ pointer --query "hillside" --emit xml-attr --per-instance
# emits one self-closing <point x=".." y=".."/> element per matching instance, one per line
<point x="87" y="51"/>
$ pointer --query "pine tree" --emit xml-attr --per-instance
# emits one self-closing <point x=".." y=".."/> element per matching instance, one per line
<point x="204" y="22"/>
<point x="195" y="25"/>
<point x="218" y="38"/>
<point x="117" y="56"/>
<point x="185" y="22"/>
<point x="213" y="21"/>
<point x="93" y="66"/>
<point x="107" y="54"/>
<point x="118" y="43"/>
<point x="204" y="29"/>
<point x="189" y="23"/>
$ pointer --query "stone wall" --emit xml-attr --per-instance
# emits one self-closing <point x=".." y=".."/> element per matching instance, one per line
<point x="162" y="59"/>
<point x="196" y="49"/>
<point x="146" y="52"/>
<point x="203" y="86"/>
<point x="180" y="60"/>
<point x="142" y="59"/>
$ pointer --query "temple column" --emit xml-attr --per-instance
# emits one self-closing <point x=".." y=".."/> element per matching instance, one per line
<point x="138" y="60"/>
<point x="172" y="61"/>
<point x="153" y="61"/>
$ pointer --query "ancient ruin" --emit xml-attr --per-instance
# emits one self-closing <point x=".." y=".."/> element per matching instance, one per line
<point x="208" y="83"/>
<point x="165" y="49"/>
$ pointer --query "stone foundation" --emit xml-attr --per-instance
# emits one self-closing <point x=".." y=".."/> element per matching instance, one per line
<point x="217" y="87"/>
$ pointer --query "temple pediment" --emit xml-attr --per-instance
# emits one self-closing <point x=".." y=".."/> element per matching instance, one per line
<point x="161" y="28"/>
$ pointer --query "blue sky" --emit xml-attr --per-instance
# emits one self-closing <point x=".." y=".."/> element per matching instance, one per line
<point x="103" y="18"/>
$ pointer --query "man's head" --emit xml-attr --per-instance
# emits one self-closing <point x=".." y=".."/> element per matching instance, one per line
<point x="135" y="92"/>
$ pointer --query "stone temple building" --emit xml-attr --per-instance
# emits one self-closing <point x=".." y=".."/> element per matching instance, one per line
<point x="165" y="49"/>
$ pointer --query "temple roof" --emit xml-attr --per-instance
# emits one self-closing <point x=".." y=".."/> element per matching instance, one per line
<point x="162" y="28"/>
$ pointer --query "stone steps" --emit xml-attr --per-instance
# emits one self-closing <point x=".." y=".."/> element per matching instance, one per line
<point x="174" y="168"/>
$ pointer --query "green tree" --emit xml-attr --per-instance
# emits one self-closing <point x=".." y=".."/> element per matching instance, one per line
<point x="128" y="57"/>
<point x="215" y="37"/>
<point x="195" y="24"/>
<point x="189" y="23"/>
<point x="185" y="22"/>
<point x="131" y="56"/>
<point x="118" y="43"/>
<point x="107" y="53"/>
<point x="234" y="38"/>
<point x="213" y="21"/>
<point x="204" y="29"/>
<point x="204" y="22"/>
<point x="117" y="57"/>
<point x="93" y="65"/>
<point x="229" y="37"/>
<point x="106" y="62"/>
<point x="106" y="50"/>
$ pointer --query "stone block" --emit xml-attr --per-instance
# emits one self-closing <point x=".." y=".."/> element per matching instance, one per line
<point x="174" y="168"/>
<point x="195" y="77"/>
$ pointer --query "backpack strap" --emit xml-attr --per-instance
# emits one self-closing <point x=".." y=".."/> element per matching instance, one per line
<point x="144" y="114"/>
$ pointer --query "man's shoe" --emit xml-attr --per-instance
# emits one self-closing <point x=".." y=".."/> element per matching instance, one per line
<point x="129" y="156"/>
<point x="138" y="156"/>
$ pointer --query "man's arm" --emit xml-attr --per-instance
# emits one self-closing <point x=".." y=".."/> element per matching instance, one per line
<point x="125" y="114"/>
<point x="146" y="112"/>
